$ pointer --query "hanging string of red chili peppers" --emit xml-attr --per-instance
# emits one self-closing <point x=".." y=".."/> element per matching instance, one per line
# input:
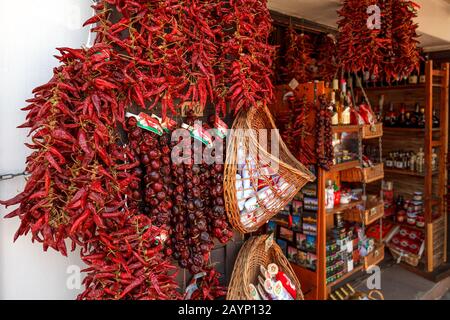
<point x="298" y="57"/>
<point x="389" y="49"/>
<point x="324" y="136"/>
<point x="129" y="263"/>
<point x="75" y="171"/>
<point x="405" y="38"/>
<point x="297" y="131"/>
<point x="327" y="59"/>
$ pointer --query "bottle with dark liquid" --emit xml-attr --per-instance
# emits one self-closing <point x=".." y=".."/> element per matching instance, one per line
<point x="422" y="78"/>
<point x="421" y="123"/>
<point x="408" y="120"/>
<point x="400" y="202"/>
<point x="436" y="122"/>
<point x="415" y="116"/>
<point x="390" y="118"/>
<point x="401" y="121"/>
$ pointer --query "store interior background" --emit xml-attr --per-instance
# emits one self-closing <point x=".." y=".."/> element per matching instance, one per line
<point x="31" y="33"/>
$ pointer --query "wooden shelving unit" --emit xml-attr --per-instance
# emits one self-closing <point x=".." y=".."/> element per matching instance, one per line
<point x="344" y="277"/>
<point x="433" y="95"/>
<point x="409" y="130"/>
<point x="395" y="88"/>
<point x="345" y="166"/>
<point x="407" y="172"/>
<point x="314" y="282"/>
<point x="344" y="207"/>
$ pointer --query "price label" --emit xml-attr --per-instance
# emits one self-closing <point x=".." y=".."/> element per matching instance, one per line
<point x="294" y="84"/>
<point x="195" y="107"/>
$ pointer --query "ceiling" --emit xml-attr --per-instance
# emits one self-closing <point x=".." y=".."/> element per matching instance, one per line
<point x="433" y="19"/>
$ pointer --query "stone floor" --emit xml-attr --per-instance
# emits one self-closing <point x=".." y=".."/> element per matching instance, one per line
<point x="399" y="284"/>
<point x="446" y="296"/>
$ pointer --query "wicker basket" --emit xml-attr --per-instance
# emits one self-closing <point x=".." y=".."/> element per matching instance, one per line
<point x="366" y="175"/>
<point x="252" y="255"/>
<point x="375" y="257"/>
<point x="400" y="255"/>
<point x="259" y="158"/>
<point x="372" y="213"/>
<point x="372" y="131"/>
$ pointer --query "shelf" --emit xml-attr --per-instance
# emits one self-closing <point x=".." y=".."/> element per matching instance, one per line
<point x="345" y="128"/>
<point x="407" y="172"/>
<point x="393" y="88"/>
<point x="344" y="207"/>
<point x="345" y="166"/>
<point x="414" y="130"/>
<point x="409" y="226"/>
<point x="346" y="276"/>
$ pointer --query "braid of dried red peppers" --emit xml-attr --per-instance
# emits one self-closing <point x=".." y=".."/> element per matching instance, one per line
<point x="295" y="136"/>
<point x="298" y="57"/>
<point x="327" y="59"/>
<point x="324" y="137"/>
<point x="391" y="50"/>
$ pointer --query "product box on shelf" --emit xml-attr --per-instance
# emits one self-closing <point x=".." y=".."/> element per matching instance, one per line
<point x="296" y="223"/>
<point x="283" y="245"/>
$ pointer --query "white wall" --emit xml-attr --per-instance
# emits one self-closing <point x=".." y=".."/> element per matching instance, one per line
<point x="30" y="32"/>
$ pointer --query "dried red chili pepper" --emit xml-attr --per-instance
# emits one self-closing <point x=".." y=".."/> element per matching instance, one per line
<point x="324" y="136"/>
<point x="123" y="268"/>
<point x="299" y="61"/>
<point x="389" y="49"/>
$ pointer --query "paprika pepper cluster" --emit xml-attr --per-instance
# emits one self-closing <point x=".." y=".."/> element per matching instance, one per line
<point x="129" y="263"/>
<point x="389" y="49"/>
<point x="299" y="61"/>
<point x="77" y="174"/>
<point x="297" y="130"/>
<point x="327" y="58"/>
<point x="198" y="214"/>
<point x="192" y="51"/>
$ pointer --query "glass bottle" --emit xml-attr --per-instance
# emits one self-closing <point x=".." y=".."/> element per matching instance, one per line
<point x="401" y="122"/>
<point x="420" y="161"/>
<point x="413" y="78"/>
<point x="400" y="202"/>
<point x="390" y="161"/>
<point x="415" y="116"/>
<point x="335" y="116"/>
<point x="422" y="77"/>
<point x="406" y="157"/>
<point x="399" y="161"/>
<point x="434" y="160"/>
<point x="436" y="122"/>
<point x="412" y="162"/>
<point x="329" y="192"/>
<point x="408" y="120"/>
<point x="390" y="118"/>
<point x="421" y="123"/>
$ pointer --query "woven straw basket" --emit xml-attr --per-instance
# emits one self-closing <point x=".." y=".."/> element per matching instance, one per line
<point x="250" y="128"/>
<point x="253" y="254"/>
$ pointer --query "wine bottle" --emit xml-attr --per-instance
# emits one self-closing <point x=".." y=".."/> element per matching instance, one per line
<point x="415" y="116"/>
<point x="436" y="122"/>
<point x="421" y="123"/>
<point x="401" y="122"/>
<point x="408" y="120"/>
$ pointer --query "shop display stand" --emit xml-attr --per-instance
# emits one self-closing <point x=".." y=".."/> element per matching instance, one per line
<point x="314" y="282"/>
<point x="433" y="184"/>
<point x="325" y="219"/>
